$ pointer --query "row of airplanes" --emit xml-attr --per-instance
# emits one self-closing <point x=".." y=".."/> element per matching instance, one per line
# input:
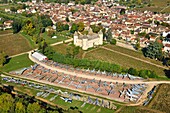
<point x="132" y="94"/>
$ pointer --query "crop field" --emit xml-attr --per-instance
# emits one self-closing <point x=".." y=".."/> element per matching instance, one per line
<point x="137" y="54"/>
<point x="161" y="101"/>
<point x="129" y="109"/>
<point x="14" y="44"/>
<point x="157" y="6"/>
<point x="124" y="61"/>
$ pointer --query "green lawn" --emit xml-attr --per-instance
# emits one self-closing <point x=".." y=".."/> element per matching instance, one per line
<point x="17" y="62"/>
<point x="50" y="40"/>
<point x="124" y="61"/>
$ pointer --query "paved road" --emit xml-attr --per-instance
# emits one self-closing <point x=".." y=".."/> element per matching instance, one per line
<point x="135" y="58"/>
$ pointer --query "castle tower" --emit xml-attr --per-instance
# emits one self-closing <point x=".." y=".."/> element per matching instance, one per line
<point x="100" y="33"/>
<point x="84" y="44"/>
<point x="75" y="38"/>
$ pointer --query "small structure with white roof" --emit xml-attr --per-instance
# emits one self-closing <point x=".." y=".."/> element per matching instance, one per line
<point x="39" y="56"/>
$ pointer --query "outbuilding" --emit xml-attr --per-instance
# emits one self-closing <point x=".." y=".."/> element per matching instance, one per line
<point x="39" y="56"/>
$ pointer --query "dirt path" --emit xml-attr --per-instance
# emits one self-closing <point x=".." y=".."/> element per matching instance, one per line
<point x="135" y="58"/>
<point x="6" y="34"/>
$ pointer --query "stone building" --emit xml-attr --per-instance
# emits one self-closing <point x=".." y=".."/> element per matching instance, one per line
<point x="89" y="40"/>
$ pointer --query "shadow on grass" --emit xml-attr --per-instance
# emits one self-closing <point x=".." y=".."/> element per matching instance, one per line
<point x="167" y="73"/>
<point x="7" y="60"/>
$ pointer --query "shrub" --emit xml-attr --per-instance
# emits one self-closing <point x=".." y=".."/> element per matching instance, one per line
<point x="113" y="41"/>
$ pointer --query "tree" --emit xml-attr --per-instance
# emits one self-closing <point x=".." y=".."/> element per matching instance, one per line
<point x="6" y="103"/>
<point x="17" y="25"/>
<point x="66" y="27"/>
<point x="59" y="27"/>
<point x="109" y="35"/>
<point x="67" y="19"/>
<point x="80" y="26"/>
<point x="154" y="50"/>
<point x="133" y="71"/>
<point x="2" y="58"/>
<point x="19" y="108"/>
<point x="46" y="21"/>
<point x="13" y="9"/>
<point x="137" y="45"/>
<point x="33" y="108"/>
<point x="113" y="41"/>
<point x="74" y="28"/>
<point x="95" y="28"/>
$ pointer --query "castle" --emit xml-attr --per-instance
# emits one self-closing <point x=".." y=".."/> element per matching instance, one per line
<point x="89" y="40"/>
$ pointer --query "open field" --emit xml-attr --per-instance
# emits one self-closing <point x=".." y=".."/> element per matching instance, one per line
<point x="14" y="44"/>
<point x="137" y="54"/>
<point x="161" y="101"/>
<point x="124" y="61"/>
<point x="50" y="40"/>
<point x="17" y="63"/>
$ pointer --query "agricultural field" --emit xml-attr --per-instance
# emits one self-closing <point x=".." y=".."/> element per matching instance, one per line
<point x="137" y="54"/>
<point x="124" y="61"/>
<point x="13" y="44"/>
<point x="157" y="6"/>
<point x="161" y="101"/>
<point x="17" y="62"/>
<point x="129" y="109"/>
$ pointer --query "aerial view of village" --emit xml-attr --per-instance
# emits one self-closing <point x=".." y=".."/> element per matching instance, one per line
<point x="84" y="56"/>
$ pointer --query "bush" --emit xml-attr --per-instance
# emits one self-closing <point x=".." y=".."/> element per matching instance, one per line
<point x="113" y="41"/>
<point x="133" y="71"/>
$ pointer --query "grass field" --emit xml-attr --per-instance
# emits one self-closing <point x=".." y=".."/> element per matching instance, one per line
<point x="124" y="61"/>
<point x="17" y="63"/>
<point x="50" y="40"/>
<point x="14" y="44"/>
<point x="161" y="101"/>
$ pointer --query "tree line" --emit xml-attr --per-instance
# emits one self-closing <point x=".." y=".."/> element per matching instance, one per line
<point x="95" y="64"/>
